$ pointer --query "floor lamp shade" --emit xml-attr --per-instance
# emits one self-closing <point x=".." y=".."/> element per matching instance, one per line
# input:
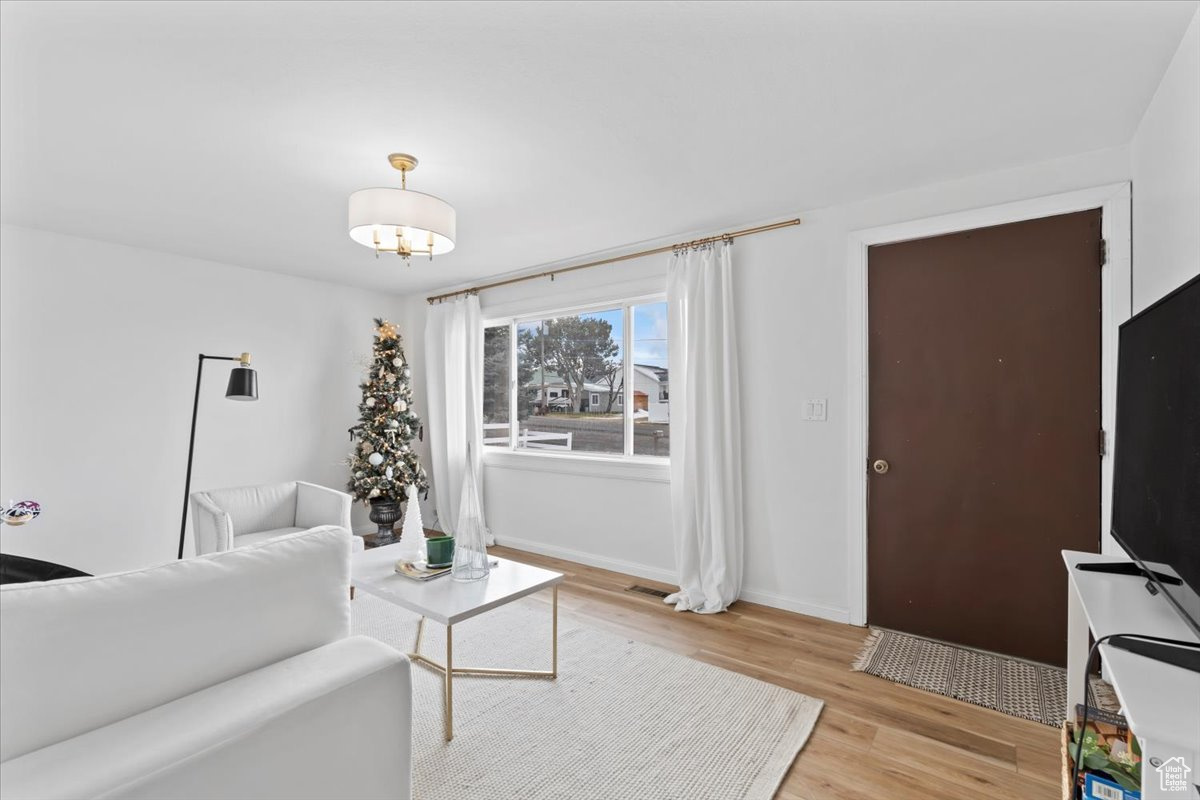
<point x="243" y="384"/>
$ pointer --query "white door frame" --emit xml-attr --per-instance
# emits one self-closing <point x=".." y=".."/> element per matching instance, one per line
<point x="1114" y="202"/>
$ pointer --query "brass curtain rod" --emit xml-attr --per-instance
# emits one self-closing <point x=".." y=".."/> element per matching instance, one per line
<point x="550" y="273"/>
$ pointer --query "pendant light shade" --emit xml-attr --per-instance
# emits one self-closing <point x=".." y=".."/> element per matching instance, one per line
<point x="381" y="212"/>
<point x="400" y="221"/>
<point x="243" y="384"/>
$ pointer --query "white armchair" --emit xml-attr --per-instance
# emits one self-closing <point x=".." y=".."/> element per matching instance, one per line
<point x="227" y="518"/>
<point x="231" y="676"/>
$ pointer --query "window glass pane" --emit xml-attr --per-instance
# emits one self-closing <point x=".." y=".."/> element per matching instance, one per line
<point x="496" y="368"/>
<point x="650" y="385"/>
<point x="568" y="368"/>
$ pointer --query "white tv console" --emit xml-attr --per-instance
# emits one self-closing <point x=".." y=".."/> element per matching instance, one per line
<point x="1160" y="701"/>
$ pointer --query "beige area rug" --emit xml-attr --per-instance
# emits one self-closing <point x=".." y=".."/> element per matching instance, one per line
<point x="1019" y="688"/>
<point x="623" y="719"/>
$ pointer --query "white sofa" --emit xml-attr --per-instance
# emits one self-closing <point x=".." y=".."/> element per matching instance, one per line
<point x="232" y="675"/>
<point x="227" y="518"/>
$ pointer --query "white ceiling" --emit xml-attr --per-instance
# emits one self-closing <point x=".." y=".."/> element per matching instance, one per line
<point x="236" y="131"/>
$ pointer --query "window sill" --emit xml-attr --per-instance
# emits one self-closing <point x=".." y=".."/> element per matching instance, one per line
<point x="633" y="468"/>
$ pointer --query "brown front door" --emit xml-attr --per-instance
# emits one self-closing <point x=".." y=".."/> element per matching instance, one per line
<point x="985" y="403"/>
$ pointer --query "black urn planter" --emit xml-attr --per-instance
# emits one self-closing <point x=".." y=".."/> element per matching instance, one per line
<point x="385" y="514"/>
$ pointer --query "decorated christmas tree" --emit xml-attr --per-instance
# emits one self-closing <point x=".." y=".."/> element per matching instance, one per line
<point x="384" y="462"/>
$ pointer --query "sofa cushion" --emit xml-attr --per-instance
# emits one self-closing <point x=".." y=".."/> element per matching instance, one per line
<point x="262" y="536"/>
<point x="311" y="726"/>
<point x="80" y="653"/>
<point x="356" y="542"/>
<point x="258" y="508"/>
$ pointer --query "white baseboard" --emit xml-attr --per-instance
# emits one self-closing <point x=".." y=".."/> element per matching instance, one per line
<point x="668" y="576"/>
<point x="591" y="560"/>
<point x="799" y="606"/>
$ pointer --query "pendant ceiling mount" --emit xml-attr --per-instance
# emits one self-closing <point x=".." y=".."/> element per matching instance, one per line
<point x="402" y="221"/>
<point x="403" y="162"/>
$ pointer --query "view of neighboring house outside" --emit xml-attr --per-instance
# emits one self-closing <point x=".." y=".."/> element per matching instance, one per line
<point x="651" y="390"/>
<point x="553" y="385"/>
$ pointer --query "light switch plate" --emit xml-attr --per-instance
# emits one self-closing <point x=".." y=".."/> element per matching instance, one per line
<point x="814" y="410"/>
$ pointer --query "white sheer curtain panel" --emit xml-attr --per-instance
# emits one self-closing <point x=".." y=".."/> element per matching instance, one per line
<point x="454" y="382"/>
<point x="706" y="443"/>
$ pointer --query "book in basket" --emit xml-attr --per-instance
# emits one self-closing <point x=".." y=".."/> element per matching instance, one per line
<point x="1111" y="768"/>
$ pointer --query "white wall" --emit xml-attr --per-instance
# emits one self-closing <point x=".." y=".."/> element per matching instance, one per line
<point x="1166" y="179"/>
<point x="98" y="346"/>
<point x="791" y="306"/>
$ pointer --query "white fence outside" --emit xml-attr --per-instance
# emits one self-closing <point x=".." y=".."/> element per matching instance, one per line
<point x="532" y="440"/>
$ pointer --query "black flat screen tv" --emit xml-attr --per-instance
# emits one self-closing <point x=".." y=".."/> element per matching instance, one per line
<point x="1156" y="468"/>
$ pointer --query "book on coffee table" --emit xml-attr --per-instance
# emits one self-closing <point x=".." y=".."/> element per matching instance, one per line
<point x="422" y="573"/>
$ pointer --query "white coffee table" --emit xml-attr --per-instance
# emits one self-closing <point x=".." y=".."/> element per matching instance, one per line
<point x="449" y="602"/>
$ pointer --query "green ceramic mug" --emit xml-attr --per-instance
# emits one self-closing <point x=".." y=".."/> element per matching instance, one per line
<point x="440" y="551"/>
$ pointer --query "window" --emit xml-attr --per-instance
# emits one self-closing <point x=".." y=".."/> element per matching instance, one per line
<point x="497" y="346"/>
<point x="651" y="432"/>
<point x="557" y="383"/>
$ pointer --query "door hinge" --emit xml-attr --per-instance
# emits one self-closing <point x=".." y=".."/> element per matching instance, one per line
<point x="1103" y="252"/>
<point x="1103" y="443"/>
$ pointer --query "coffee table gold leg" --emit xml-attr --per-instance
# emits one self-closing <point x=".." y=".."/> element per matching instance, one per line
<point x="448" y="711"/>
<point x="420" y="633"/>
<point x="554" y="635"/>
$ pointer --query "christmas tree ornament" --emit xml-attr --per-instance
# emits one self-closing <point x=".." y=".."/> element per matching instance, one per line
<point x="393" y="423"/>
<point x="375" y="459"/>
<point x="397" y="362"/>
<point x="370" y="401"/>
<point x="387" y="330"/>
<point x="401" y="406"/>
<point x="388" y="473"/>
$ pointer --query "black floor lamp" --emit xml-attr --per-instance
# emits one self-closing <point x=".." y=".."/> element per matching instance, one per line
<point x="243" y="385"/>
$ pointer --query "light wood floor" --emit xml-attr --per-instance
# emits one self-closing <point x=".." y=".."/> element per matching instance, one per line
<point x="875" y="739"/>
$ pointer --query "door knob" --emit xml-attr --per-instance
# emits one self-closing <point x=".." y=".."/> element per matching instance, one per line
<point x="880" y="466"/>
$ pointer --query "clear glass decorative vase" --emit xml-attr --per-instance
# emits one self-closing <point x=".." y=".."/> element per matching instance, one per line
<point x="470" y="535"/>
